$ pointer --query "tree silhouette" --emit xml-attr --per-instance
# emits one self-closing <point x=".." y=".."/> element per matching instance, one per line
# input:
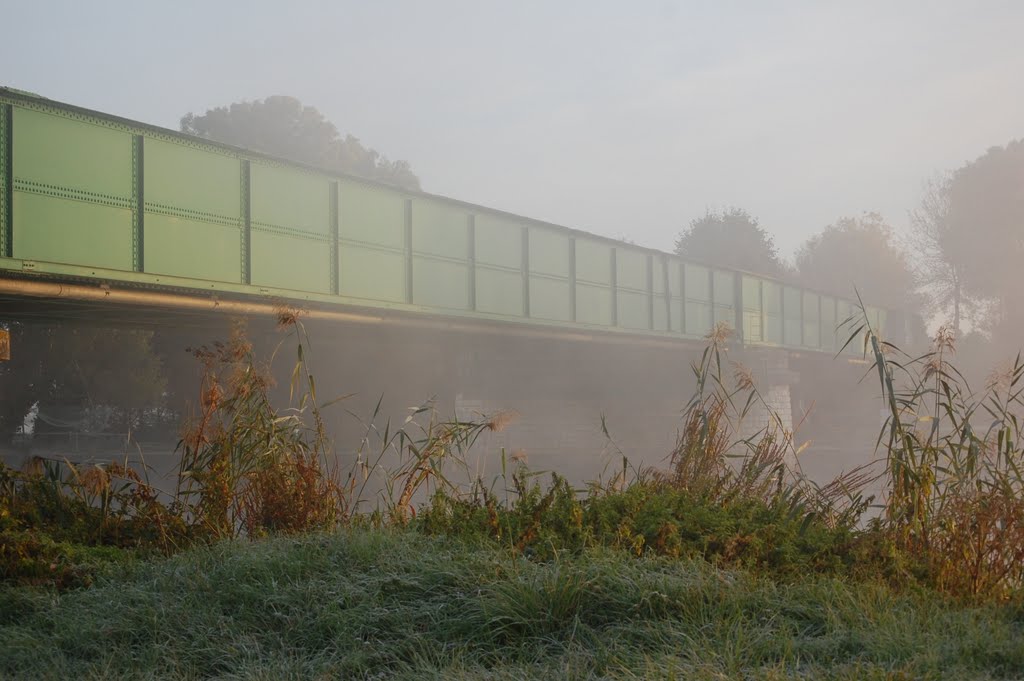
<point x="860" y="253"/>
<point x="285" y="127"/>
<point x="731" y="238"/>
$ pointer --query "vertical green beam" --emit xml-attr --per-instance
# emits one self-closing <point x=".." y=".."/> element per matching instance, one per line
<point x="803" y="341"/>
<point x="682" y="296"/>
<point x="821" y="336"/>
<point x="764" y="319"/>
<point x="526" y="271"/>
<point x="7" y="181"/>
<point x="138" y="203"/>
<point x="246" y="194"/>
<point x="781" y="313"/>
<point x="335" y="274"/>
<point x="665" y="279"/>
<point x="615" y="286"/>
<point x="711" y="296"/>
<point x="737" y="301"/>
<point x="572" y="278"/>
<point x="650" y="291"/>
<point x="471" y="258"/>
<point x="408" y="252"/>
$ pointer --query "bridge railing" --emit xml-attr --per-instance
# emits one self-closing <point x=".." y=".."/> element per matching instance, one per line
<point x="89" y="195"/>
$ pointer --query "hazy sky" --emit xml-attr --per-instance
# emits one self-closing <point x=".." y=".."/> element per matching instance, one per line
<point x="625" y="119"/>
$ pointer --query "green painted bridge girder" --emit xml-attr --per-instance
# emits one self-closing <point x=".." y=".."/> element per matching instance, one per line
<point x="89" y="196"/>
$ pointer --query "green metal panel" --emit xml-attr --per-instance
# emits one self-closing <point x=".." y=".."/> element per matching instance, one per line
<point x="633" y="309"/>
<point x="752" y="327"/>
<point x="216" y="215"/>
<point x="593" y="304"/>
<point x="593" y="262"/>
<point x="771" y="293"/>
<point x="811" y="320"/>
<point x="60" y="156"/>
<point x="593" y="282"/>
<point x="549" y="297"/>
<point x="499" y="242"/>
<point x="549" y="253"/>
<point x="439" y="229"/>
<point x="192" y="183"/>
<point x="725" y="297"/>
<point x="792" y="307"/>
<point x="290" y="262"/>
<point x="440" y="242"/>
<point x="499" y="291"/>
<point x="74" y="232"/>
<point x="828" y="323"/>
<point x="440" y="283"/>
<point x="661" y="295"/>
<point x="697" y="283"/>
<point x="371" y="215"/>
<point x="371" y="273"/>
<point x="632" y="269"/>
<point x="191" y="248"/>
<point x="291" y="199"/>
<point x="676" y="276"/>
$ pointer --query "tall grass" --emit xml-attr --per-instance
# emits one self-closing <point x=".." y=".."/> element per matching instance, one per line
<point x="953" y="515"/>
<point x="954" y="465"/>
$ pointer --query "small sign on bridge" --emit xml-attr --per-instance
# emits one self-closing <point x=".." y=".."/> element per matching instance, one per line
<point x="5" y="345"/>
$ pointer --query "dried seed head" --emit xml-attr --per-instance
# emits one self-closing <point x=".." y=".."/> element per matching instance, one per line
<point x="519" y="456"/>
<point x="720" y="333"/>
<point x="212" y="396"/>
<point x="94" y="480"/>
<point x="287" y="316"/>
<point x="743" y="376"/>
<point x="498" y="422"/>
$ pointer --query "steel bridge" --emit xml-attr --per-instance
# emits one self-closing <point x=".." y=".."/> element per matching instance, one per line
<point x="99" y="209"/>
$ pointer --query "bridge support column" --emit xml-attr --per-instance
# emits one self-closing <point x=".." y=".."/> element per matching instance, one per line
<point x="774" y="379"/>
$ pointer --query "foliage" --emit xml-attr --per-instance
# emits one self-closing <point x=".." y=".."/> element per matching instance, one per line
<point x="731" y="238"/>
<point x="938" y="264"/>
<point x="245" y="467"/>
<point x="283" y="126"/>
<point x="954" y="466"/>
<point x="728" y="500"/>
<point x="859" y="250"/>
<point x="985" y="214"/>
<point x="397" y="604"/>
<point x="953" y="517"/>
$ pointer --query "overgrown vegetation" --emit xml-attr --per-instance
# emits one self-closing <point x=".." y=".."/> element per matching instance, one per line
<point x="547" y="556"/>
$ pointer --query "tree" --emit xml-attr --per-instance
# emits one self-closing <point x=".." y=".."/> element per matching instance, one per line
<point x="986" y="228"/>
<point x="860" y="253"/>
<point x="731" y="238"/>
<point x="938" y="264"/>
<point x="283" y="126"/>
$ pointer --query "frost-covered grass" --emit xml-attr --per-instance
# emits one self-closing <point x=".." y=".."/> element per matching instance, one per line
<point x="398" y="604"/>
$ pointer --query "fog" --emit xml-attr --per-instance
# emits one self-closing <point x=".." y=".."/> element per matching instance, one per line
<point x="625" y="120"/>
<point x="817" y="126"/>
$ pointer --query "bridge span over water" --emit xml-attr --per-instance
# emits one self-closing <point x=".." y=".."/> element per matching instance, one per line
<point x="115" y="209"/>
<point x="104" y="217"/>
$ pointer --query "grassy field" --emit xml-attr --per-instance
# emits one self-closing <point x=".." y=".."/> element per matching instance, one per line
<point x="398" y="604"/>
